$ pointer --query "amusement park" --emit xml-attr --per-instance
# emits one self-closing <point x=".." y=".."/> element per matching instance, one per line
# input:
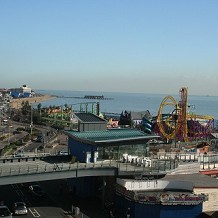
<point x="175" y="141"/>
<point x="176" y="122"/>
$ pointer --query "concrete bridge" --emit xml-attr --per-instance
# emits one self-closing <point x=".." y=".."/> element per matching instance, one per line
<point x="51" y="167"/>
<point x="39" y="167"/>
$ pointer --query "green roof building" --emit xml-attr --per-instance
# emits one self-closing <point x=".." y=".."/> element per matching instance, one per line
<point x="95" y="142"/>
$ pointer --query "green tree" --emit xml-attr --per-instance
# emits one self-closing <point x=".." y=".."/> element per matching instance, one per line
<point x="26" y="108"/>
<point x="39" y="107"/>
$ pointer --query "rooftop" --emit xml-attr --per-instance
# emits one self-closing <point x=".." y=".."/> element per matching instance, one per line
<point x="89" y="118"/>
<point x="111" y="135"/>
<point x="199" y="180"/>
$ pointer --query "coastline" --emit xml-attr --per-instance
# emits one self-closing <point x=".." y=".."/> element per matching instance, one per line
<point x="16" y="103"/>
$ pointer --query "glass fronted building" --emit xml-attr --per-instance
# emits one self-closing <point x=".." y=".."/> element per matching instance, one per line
<point x="91" y="146"/>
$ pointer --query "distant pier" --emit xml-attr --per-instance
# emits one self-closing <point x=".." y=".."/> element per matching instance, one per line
<point x="96" y="97"/>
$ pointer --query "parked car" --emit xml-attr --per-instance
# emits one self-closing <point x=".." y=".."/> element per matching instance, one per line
<point x="37" y="190"/>
<point x="19" y="154"/>
<point x="5" y="212"/>
<point x="20" y="208"/>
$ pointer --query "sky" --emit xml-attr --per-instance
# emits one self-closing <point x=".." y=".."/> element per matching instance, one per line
<point x="140" y="46"/>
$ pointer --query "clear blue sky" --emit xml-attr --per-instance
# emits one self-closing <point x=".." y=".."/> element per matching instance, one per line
<point x="145" y="46"/>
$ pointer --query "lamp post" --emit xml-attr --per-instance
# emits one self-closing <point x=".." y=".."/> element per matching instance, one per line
<point x="43" y="143"/>
<point x="31" y="120"/>
<point x="1" y="117"/>
<point x="9" y="135"/>
<point x="175" y="118"/>
<point x="9" y="131"/>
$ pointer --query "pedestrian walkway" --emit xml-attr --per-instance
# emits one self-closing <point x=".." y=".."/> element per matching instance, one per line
<point x="186" y="168"/>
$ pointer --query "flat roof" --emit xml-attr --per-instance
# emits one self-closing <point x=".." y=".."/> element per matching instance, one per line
<point x="199" y="180"/>
<point x="89" y="118"/>
<point x="112" y="136"/>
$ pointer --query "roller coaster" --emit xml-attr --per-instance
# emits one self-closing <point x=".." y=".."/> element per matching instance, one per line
<point x="174" y="120"/>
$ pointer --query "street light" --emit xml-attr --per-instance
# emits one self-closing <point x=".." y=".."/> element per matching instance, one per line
<point x="1" y="116"/>
<point x="175" y="118"/>
<point x="9" y="136"/>
<point x="43" y="142"/>
<point x="9" y="131"/>
<point x="31" y="119"/>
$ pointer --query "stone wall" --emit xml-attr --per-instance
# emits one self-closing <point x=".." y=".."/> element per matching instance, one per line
<point x="212" y="203"/>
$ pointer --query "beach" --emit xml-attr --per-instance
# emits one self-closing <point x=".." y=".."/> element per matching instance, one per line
<point x="16" y="103"/>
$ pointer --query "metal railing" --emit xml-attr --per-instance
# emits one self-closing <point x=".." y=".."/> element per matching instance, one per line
<point x="39" y="167"/>
<point x="22" y="166"/>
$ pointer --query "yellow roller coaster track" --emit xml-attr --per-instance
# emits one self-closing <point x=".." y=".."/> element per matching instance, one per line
<point x="171" y="127"/>
<point x="168" y="100"/>
<point x="201" y="117"/>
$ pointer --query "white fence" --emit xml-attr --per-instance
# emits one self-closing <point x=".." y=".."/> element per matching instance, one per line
<point x="138" y="160"/>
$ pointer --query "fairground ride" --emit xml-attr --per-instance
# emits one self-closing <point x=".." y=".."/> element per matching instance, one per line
<point x="65" y="119"/>
<point x="175" y="122"/>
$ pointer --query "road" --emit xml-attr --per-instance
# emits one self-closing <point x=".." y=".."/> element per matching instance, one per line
<point x="56" y="204"/>
<point x="47" y="206"/>
<point x="11" y="135"/>
<point x="51" y="142"/>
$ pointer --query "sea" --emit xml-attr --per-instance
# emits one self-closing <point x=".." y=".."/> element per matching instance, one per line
<point x="117" y="102"/>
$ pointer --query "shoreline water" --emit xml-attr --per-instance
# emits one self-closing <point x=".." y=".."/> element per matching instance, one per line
<point x="199" y="105"/>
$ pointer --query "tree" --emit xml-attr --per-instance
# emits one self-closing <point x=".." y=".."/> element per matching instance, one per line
<point x="26" y="108"/>
<point x="125" y="118"/>
<point x="39" y="107"/>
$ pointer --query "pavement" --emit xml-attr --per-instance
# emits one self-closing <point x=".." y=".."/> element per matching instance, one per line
<point x="186" y="168"/>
